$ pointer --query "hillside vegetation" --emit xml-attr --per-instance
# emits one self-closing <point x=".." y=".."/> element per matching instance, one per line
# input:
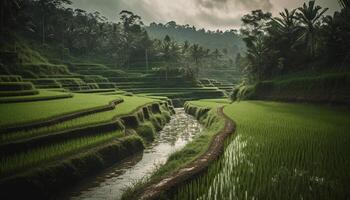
<point x="301" y="55"/>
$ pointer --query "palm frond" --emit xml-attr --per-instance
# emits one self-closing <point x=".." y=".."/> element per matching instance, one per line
<point x="344" y="3"/>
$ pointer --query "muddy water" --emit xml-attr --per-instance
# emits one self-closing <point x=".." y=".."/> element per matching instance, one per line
<point x="111" y="183"/>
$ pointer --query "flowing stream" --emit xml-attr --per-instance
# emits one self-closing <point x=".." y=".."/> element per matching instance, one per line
<point x="111" y="183"/>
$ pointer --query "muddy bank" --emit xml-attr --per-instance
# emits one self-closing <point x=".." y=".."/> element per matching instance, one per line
<point x="198" y="166"/>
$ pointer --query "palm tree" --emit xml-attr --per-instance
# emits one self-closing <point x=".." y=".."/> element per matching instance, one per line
<point x="171" y="54"/>
<point x="256" y="54"/>
<point x="196" y="54"/>
<point x="287" y="29"/>
<point x="309" y="15"/>
<point x="185" y="47"/>
<point x="216" y="54"/>
<point x="287" y="24"/>
<point x="344" y="3"/>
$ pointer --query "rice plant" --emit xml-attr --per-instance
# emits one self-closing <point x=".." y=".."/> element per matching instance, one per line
<point x="41" y="154"/>
<point x="280" y="151"/>
<point x="126" y="107"/>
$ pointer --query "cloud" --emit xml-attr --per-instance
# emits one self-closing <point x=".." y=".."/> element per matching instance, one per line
<point x="245" y="4"/>
<point x="209" y="14"/>
<point x="212" y="3"/>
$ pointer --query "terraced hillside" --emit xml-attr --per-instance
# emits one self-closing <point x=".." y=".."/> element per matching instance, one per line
<point x="176" y="87"/>
<point x="65" y="122"/>
<point x="225" y="86"/>
<point x="75" y="136"/>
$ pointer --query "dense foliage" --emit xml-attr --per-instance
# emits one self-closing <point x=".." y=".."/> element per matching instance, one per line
<point x="302" y="39"/>
<point x="74" y="35"/>
<point x="223" y="43"/>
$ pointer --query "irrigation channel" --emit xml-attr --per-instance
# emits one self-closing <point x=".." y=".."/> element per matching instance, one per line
<point x="110" y="183"/>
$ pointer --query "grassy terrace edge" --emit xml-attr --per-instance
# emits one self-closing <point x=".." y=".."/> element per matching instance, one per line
<point x="63" y="117"/>
<point x="40" y="95"/>
<point x="193" y="159"/>
<point x="46" y="180"/>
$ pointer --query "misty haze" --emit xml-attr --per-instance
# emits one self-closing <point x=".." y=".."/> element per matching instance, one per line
<point x="175" y="100"/>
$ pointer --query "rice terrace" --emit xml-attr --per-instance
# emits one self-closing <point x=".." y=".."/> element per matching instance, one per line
<point x="175" y="100"/>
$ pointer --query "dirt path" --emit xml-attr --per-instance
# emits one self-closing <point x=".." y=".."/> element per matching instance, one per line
<point x="197" y="166"/>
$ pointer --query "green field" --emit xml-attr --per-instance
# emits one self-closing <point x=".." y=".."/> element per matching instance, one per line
<point x="17" y="113"/>
<point x="42" y="150"/>
<point x="39" y="155"/>
<point x="279" y="151"/>
<point x="128" y="106"/>
<point x="43" y="95"/>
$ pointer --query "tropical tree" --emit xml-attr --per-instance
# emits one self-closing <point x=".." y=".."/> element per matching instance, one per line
<point x="287" y="24"/>
<point x="216" y="54"/>
<point x="254" y="34"/>
<point x="283" y="34"/>
<point x="309" y="15"/>
<point x="344" y="3"/>
<point x="131" y="21"/>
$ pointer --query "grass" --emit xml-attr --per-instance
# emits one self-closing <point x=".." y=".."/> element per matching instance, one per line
<point x="221" y="101"/>
<point x="95" y="91"/>
<point x="281" y="151"/>
<point x="18" y="113"/>
<point x="146" y="130"/>
<point x="127" y="107"/>
<point x="187" y="94"/>
<point x="42" y="95"/>
<point x="190" y="152"/>
<point x="17" y="94"/>
<point x="42" y="154"/>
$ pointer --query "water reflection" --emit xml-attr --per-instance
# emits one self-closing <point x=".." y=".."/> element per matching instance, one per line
<point x="110" y="184"/>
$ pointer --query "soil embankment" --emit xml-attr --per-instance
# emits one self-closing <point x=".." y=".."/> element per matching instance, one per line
<point x="194" y="168"/>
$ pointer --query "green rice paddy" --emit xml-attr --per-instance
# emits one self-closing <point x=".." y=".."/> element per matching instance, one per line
<point x="42" y="154"/>
<point x="128" y="106"/>
<point x="279" y="151"/>
<point x="42" y="95"/>
<point x="18" y="113"/>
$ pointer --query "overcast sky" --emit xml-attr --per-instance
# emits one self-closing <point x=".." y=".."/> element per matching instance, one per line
<point x="208" y="14"/>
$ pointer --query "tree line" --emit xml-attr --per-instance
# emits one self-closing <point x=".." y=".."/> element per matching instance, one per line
<point x="75" y="32"/>
<point x="301" y="39"/>
<point x="227" y="42"/>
